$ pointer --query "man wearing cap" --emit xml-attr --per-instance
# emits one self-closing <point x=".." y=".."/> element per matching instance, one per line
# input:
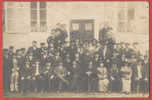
<point x="11" y="52"/>
<point x="23" y="51"/>
<point x="128" y="51"/>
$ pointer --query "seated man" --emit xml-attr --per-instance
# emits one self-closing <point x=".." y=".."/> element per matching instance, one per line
<point x="103" y="78"/>
<point x="26" y="77"/>
<point x="126" y="78"/>
<point x="61" y="72"/>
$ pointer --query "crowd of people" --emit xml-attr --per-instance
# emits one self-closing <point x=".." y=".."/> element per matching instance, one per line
<point x="76" y="66"/>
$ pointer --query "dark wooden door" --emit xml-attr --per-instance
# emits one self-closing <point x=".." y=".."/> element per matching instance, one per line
<point x="82" y="29"/>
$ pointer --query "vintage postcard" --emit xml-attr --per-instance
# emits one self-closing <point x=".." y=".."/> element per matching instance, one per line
<point x="77" y="49"/>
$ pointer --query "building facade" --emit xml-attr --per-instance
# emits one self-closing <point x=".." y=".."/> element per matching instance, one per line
<point x="24" y="22"/>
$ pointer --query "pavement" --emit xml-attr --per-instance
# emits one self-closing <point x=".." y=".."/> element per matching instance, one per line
<point x="74" y="95"/>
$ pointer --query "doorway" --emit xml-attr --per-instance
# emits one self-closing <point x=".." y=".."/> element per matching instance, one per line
<point x="82" y="29"/>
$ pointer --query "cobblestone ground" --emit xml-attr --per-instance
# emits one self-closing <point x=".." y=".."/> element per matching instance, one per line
<point x="74" y="95"/>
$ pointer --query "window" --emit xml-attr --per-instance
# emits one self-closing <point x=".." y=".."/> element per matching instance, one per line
<point x="34" y="17"/>
<point x="43" y="17"/>
<point x="33" y="5"/>
<point x="131" y="14"/>
<point x="121" y="15"/>
<point x="88" y="27"/>
<point x="121" y="27"/>
<point x="38" y="16"/>
<point x="75" y="27"/>
<point x="125" y="18"/>
<point x="10" y="17"/>
<point x="121" y="21"/>
<point x="42" y="5"/>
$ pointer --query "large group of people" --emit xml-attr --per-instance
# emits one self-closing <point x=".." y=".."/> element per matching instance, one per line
<point x="76" y="66"/>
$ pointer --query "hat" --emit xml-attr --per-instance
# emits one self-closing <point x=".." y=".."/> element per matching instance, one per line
<point x="5" y="49"/>
<point x="18" y="50"/>
<point x="121" y="42"/>
<point x="127" y="44"/>
<point x="42" y="44"/>
<point x="22" y="49"/>
<point x="135" y="43"/>
<point x="11" y="47"/>
<point x="34" y="41"/>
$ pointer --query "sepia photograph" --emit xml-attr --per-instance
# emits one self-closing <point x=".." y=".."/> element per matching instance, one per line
<point x="79" y="49"/>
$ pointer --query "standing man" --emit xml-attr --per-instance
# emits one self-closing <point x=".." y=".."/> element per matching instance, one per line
<point x="6" y="71"/>
<point x="34" y="50"/>
<point x="50" y="39"/>
<point x="14" y="75"/>
<point x="145" y="79"/>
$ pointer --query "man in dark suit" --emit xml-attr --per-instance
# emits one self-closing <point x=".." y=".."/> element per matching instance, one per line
<point x="34" y="50"/>
<point x="21" y="59"/>
<point x="50" y="39"/>
<point x="6" y="71"/>
<point x="145" y="73"/>
<point x="62" y="33"/>
<point x="47" y="76"/>
<point x="36" y="76"/>
<point x="133" y="64"/>
<point x="92" y="79"/>
<point x="76" y="77"/>
<point x="11" y="52"/>
<point x="43" y="54"/>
